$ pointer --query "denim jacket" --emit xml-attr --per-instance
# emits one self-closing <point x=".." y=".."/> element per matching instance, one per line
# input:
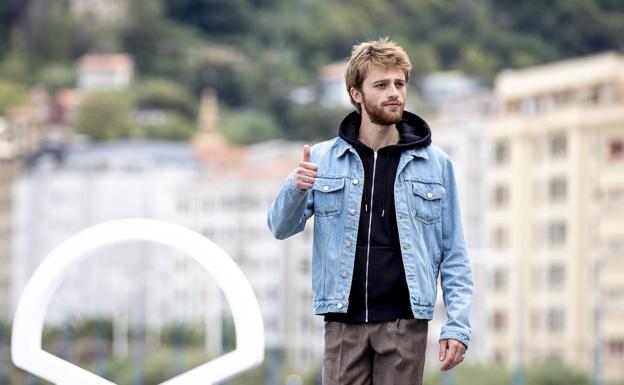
<point x="428" y="219"/>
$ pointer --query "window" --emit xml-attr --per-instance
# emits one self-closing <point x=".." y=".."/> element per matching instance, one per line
<point x="616" y="149"/>
<point x="554" y="355"/>
<point x="557" y="189"/>
<point x="556" y="233"/>
<point x="556" y="276"/>
<point x="557" y="145"/>
<point x="529" y="107"/>
<point x="501" y="196"/>
<point x="616" y="349"/>
<point x="501" y="237"/>
<point x="501" y="152"/>
<point x="555" y="320"/>
<point x="499" y="356"/>
<point x="499" y="321"/>
<point x="513" y="106"/>
<point x="499" y="280"/>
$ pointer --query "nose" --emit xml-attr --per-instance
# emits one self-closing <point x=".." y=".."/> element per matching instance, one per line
<point x="393" y="92"/>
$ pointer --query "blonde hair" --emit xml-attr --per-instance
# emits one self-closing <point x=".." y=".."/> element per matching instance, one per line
<point x="374" y="53"/>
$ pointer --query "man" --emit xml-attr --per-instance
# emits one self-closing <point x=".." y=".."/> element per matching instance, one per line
<point x="387" y="223"/>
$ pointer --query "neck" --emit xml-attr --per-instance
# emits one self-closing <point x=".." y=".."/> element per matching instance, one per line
<point x="375" y="135"/>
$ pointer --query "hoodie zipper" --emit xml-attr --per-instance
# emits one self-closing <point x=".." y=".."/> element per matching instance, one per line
<point x="370" y="225"/>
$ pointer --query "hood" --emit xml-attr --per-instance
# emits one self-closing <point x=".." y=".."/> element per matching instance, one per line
<point x="413" y="131"/>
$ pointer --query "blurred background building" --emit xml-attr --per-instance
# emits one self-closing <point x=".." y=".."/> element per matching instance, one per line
<point x="557" y="218"/>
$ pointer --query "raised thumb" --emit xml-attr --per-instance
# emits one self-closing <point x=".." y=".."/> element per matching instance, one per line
<point x="306" y="153"/>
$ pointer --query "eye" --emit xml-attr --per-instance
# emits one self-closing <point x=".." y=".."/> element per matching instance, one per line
<point x="381" y="85"/>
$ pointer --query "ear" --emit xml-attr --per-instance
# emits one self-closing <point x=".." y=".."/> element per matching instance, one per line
<point x="356" y="94"/>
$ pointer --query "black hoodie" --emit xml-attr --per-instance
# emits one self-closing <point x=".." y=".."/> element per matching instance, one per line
<point x="379" y="290"/>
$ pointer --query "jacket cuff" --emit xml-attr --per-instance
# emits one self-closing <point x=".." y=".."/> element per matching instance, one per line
<point x="456" y="334"/>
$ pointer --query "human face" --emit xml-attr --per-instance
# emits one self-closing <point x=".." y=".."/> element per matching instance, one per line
<point x="382" y="97"/>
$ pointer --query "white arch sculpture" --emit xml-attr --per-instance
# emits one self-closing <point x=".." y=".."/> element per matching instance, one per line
<point x="26" y="350"/>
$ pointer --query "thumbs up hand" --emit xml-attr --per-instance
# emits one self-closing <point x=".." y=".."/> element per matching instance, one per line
<point x="305" y="173"/>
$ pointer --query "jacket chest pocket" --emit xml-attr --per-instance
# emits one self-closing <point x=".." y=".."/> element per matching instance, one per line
<point x="427" y="202"/>
<point x="328" y="193"/>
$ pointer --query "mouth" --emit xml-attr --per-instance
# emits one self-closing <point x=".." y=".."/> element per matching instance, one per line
<point x="393" y="104"/>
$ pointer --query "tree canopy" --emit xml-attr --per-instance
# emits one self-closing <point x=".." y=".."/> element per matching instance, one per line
<point x="255" y="52"/>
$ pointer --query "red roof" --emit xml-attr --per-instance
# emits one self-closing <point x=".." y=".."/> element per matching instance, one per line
<point x="105" y="62"/>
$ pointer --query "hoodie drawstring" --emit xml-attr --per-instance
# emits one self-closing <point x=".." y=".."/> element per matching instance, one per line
<point x="383" y="197"/>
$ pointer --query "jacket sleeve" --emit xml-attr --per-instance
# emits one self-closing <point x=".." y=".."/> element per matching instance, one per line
<point x="290" y="210"/>
<point x="455" y="271"/>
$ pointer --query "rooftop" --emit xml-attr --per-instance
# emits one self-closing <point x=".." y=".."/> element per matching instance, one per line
<point x="95" y="62"/>
<point x="559" y="76"/>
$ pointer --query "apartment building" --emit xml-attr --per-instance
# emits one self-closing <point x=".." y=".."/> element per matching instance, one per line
<point x="229" y="204"/>
<point x="105" y="72"/>
<point x="21" y="132"/>
<point x="223" y="193"/>
<point x="458" y="128"/>
<point x="556" y="217"/>
<point x="62" y="191"/>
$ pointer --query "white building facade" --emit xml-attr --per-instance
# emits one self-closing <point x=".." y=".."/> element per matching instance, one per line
<point x="63" y="192"/>
<point x="458" y="129"/>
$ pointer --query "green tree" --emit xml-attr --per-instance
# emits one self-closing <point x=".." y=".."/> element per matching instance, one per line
<point x="248" y="126"/>
<point x="174" y="127"/>
<point x="107" y="115"/>
<point x="163" y="94"/>
<point x="313" y="122"/>
<point x="215" y="17"/>
<point x="56" y="76"/>
<point x="47" y="30"/>
<point x="159" y="46"/>
<point x="15" y="67"/>
<point x="11" y="95"/>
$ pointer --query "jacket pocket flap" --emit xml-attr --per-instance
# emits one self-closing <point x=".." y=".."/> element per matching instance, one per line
<point x="428" y="191"/>
<point x="327" y="185"/>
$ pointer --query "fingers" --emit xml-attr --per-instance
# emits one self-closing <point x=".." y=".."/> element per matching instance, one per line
<point x="305" y="173"/>
<point x="443" y="346"/>
<point x="454" y="354"/>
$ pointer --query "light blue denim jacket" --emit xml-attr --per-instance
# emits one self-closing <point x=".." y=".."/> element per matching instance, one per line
<point x="428" y="219"/>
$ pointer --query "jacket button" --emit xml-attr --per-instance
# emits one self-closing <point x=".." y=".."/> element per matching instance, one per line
<point x="353" y="211"/>
<point x="344" y="274"/>
<point x="339" y="306"/>
<point x="325" y="188"/>
<point x="355" y="181"/>
<point x="348" y="243"/>
<point x="429" y="195"/>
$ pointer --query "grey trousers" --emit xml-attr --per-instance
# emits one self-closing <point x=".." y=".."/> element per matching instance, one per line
<point x="384" y="353"/>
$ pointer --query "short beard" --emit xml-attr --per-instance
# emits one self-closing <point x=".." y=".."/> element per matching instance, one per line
<point x="378" y="115"/>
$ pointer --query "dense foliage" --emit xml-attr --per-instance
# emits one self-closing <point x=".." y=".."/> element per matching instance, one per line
<point x="255" y="52"/>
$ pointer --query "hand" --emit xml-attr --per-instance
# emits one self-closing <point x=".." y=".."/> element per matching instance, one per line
<point x="451" y="353"/>
<point x="305" y="173"/>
